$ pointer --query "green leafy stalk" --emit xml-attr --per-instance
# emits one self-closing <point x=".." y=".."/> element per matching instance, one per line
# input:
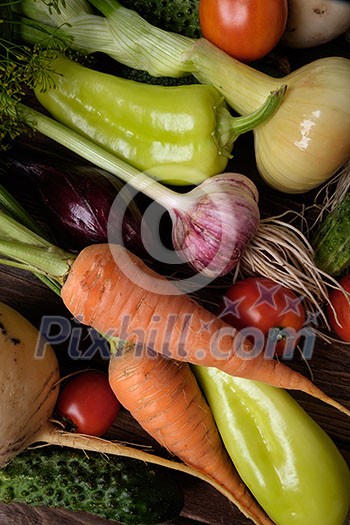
<point x="125" y="36"/>
<point x="50" y="261"/>
<point x="10" y="206"/>
<point x="26" y="244"/>
<point x="89" y="151"/>
<point x="11" y="229"/>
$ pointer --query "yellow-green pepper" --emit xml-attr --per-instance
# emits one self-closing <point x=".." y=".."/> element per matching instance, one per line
<point x="289" y="463"/>
<point x="179" y="134"/>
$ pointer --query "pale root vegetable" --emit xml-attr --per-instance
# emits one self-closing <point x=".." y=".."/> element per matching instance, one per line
<point x="314" y="22"/>
<point x="27" y="383"/>
<point x="29" y="379"/>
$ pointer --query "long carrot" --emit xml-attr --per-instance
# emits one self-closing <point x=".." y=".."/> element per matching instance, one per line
<point x="95" y="288"/>
<point x="143" y="307"/>
<point x="164" y="397"/>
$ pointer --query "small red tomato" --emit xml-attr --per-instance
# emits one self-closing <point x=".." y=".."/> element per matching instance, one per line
<point x="87" y="404"/>
<point x="339" y="318"/>
<point x="245" y="29"/>
<point x="268" y="309"/>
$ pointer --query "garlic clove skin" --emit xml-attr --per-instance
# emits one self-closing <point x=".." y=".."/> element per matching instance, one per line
<point x="215" y="223"/>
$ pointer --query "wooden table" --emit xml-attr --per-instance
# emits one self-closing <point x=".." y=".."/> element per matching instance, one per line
<point x="329" y="366"/>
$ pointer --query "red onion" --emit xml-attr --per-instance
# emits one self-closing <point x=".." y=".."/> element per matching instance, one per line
<point x="78" y="203"/>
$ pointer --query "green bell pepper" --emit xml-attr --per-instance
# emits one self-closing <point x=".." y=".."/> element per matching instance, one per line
<point x="288" y="462"/>
<point x="179" y="135"/>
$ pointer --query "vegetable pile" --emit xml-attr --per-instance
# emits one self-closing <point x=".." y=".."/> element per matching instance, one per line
<point x="143" y="208"/>
<point x="310" y="150"/>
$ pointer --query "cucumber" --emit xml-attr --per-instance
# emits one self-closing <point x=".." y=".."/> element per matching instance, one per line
<point x="113" y="487"/>
<point x="179" y="16"/>
<point x="121" y="70"/>
<point x="332" y="240"/>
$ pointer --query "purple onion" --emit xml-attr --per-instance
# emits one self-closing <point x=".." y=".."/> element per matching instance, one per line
<point x="78" y="204"/>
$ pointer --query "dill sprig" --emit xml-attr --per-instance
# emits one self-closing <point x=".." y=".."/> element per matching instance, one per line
<point x="22" y="68"/>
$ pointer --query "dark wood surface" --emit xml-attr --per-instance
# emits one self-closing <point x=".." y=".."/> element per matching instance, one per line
<point x="329" y="368"/>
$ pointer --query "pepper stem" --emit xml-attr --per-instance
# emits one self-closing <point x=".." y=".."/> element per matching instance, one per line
<point x="228" y="134"/>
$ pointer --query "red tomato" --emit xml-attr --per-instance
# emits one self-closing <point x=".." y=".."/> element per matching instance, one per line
<point x="341" y="304"/>
<point x="245" y="29"/>
<point x="264" y="306"/>
<point x="87" y="404"/>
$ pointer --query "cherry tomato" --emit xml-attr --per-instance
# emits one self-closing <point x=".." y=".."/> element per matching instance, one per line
<point x="87" y="404"/>
<point x="340" y="322"/>
<point x="267" y="309"/>
<point x="245" y="29"/>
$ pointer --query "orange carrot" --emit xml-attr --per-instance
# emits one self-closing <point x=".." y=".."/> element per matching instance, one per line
<point x="164" y="397"/>
<point x="144" y="307"/>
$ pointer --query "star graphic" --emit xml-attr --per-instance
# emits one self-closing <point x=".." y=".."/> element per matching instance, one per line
<point x="312" y="318"/>
<point x="205" y="326"/>
<point x="231" y="307"/>
<point x="292" y="305"/>
<point x="266" y="295"/>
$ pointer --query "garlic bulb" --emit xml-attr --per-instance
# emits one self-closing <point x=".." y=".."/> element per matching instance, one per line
<point x="215" y="222"/>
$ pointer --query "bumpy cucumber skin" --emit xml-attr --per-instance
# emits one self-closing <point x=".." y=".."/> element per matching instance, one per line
<point x="138" y="75"/>
<point x="112" y="487"/>
<point x="332" y="241"/>
<point x="179" y="16"/>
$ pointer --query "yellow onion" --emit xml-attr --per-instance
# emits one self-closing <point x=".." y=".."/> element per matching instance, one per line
<point x="301" y="146"/>
<point x="308" y="139"/>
